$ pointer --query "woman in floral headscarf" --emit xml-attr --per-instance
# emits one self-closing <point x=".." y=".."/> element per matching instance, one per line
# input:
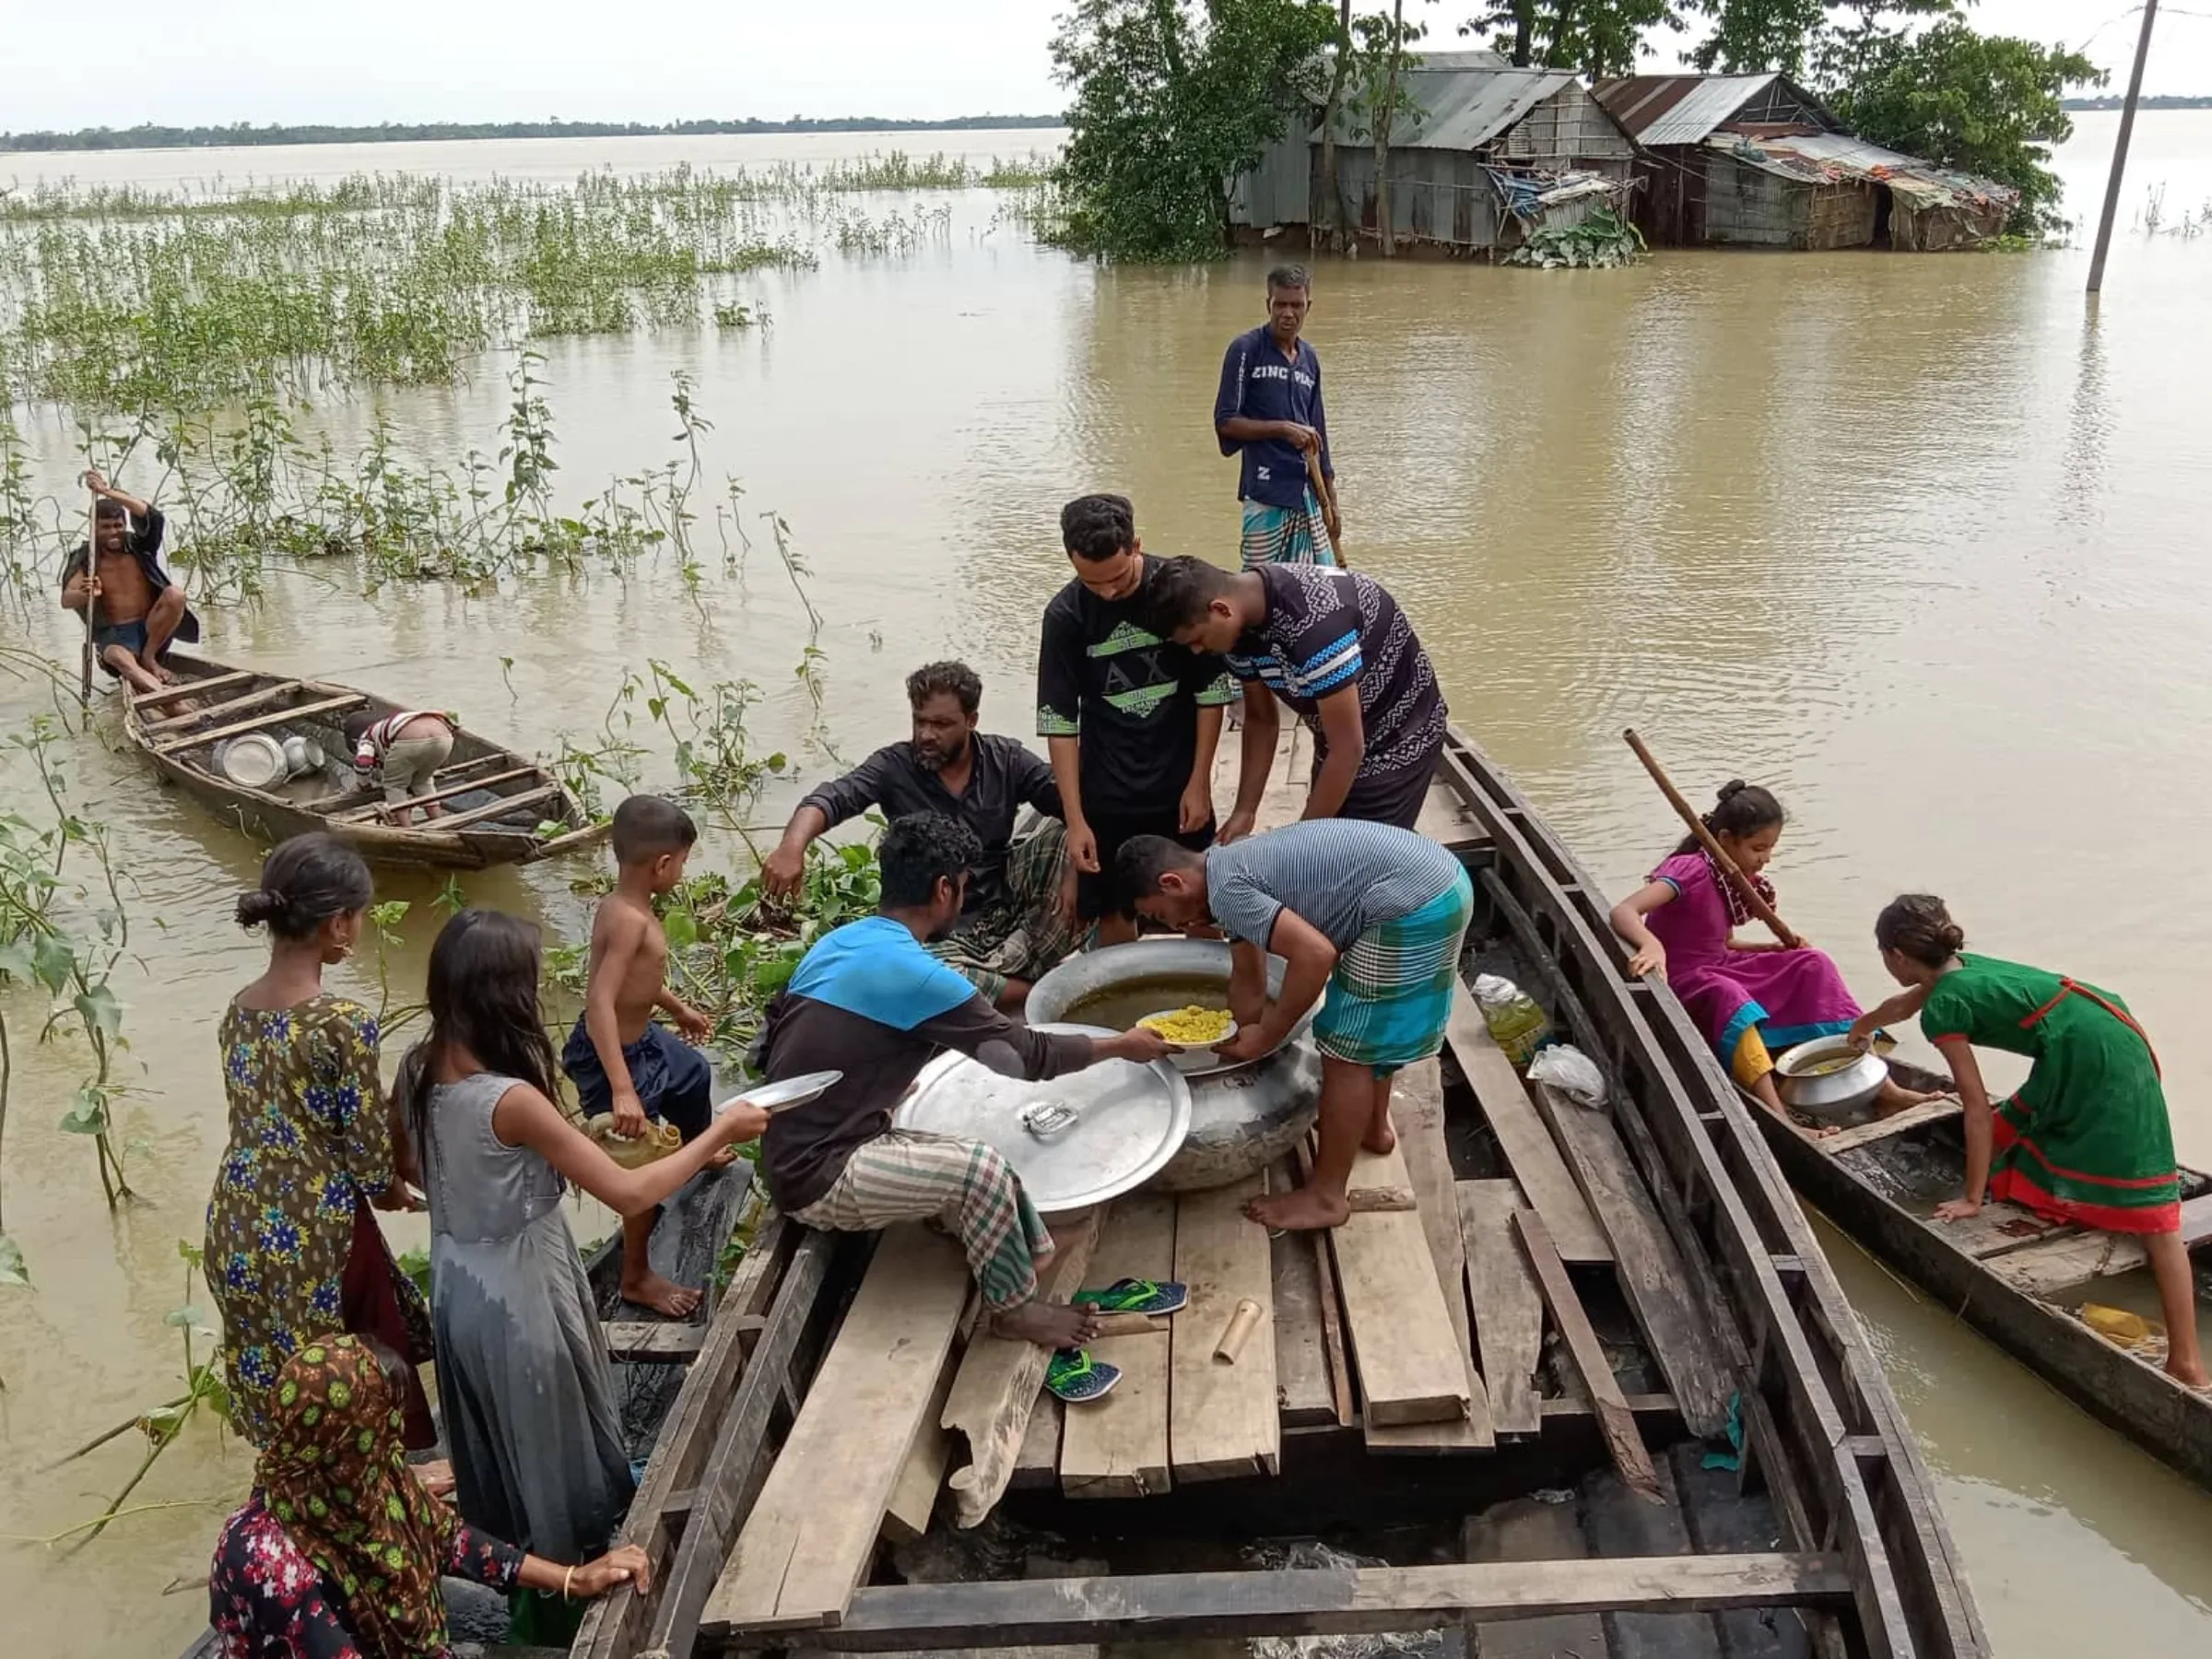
<point x="338" y="1553"/>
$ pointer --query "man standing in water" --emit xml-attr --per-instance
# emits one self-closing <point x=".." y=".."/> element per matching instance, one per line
<point x="1021" y="894"/>
<point x="137" y="609"/>
<point x="1269" y="414"/>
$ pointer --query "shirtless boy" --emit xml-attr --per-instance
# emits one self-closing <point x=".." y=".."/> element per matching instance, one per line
<point x="621" y="1061"/>
<point x="137" y="609"/>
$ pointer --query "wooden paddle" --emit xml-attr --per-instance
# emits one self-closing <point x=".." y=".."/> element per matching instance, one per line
<point x="1741" y="882"/>
<point x="84" y="678"/>
<point x="1326" y="493"/>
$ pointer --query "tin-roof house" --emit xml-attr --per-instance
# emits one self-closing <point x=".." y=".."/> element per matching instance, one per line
<point x="1485" y="154"/>
<point x="1756" y="160"/>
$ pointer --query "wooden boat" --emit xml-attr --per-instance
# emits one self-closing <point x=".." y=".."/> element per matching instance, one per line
<point x="2015" y="1277"/>
<point x="1502" y="1381"/>
<point x="498" y="806"/>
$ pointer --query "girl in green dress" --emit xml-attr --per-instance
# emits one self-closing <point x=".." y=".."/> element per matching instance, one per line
<point x="2085" y="1138"/>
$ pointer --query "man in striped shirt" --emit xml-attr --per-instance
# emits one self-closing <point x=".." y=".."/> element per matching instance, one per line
<point x="1335" y="646"/>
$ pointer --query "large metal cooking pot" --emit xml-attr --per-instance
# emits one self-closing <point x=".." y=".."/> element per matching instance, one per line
<point x="1828" y="1080"/>
<point x="1244" y="1116"/>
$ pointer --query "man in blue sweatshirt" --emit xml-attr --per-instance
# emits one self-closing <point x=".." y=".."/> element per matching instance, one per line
<point x="1268" y="414"/>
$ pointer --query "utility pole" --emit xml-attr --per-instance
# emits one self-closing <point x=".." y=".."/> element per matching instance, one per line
<point x="2127" y="129"/>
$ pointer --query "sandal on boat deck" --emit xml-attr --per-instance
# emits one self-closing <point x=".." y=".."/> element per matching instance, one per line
<point x="1136" y="1296"/>
<point x="1073" y="1376"/>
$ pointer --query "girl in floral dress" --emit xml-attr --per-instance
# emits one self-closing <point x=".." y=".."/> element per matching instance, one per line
<point x="1749" y="1000"/>
<point x="338" y="1553"/>
<point x="292" y="1246"/>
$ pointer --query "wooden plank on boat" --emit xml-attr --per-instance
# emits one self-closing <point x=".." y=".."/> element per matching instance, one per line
<point x="1039" y="1463"/>
<point x="719" y="1458"/>
<point x="499" y="808"/>
<point x="1588" y="1354"/>
<point x="1532" y="1529"/>
<point x="1223" y="1419"/>
<point x="466" y="787"/>
<point x="1332" y="1311"/>
<point x="1446" y="820"/>
<point x="1302" y="1363"/>
<point x="236" y="705"/>
<point x="1901" y="1123"/>
<point x="1521" y="1136"/>
<point x="664" y="1342"/>
<point x="812" y="1527"/>
<point x="1998" y="1227"/>
<point x="1117" y="1447"/>
<point x="1509" y="1309"/>
<point x="1319" y="1600"/>
<point x="2056" y="1267"/>
<point x="1653" y="1277"/>
<point x="326" y="705"/>
<point x="913" y="1498"/>
<point x="1418" y="1110"/>
<point x="1403" y="1346"/>
<point x="986" y="1416"/>
<point x="232" y="676"/>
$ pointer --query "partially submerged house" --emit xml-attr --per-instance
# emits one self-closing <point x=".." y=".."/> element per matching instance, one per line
<point x="1756" y="160"/>
<point x="1486" y="153"/>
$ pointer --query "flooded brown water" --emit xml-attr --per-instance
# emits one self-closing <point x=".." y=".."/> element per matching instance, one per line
<point x="1921" y="542"/>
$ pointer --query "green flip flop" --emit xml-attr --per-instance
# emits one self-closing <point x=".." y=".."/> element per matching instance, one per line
<point x="1073" y="1376"/>
<point x="1136" y="1296"/>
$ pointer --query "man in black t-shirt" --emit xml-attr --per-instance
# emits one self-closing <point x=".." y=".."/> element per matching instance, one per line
<point x="1131" y="719"/>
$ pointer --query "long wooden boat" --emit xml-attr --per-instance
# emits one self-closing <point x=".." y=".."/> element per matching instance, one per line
<point x="498" y="806"/>
<point x="1652" y="1420"/>
<point x="2015" y="1277"/>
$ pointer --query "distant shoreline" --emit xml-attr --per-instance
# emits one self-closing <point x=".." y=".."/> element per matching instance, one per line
<point x="242" y="136"/>
<point x="2167" y="100"/>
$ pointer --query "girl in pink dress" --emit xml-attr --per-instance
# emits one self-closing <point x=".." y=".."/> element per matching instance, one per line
<point x="1749" y="1000"/>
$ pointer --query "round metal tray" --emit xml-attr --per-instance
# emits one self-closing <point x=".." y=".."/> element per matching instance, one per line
<point x="1129" y="1121"/>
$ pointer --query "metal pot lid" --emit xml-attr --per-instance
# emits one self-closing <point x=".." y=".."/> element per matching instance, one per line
<point x="1076" y="1140"/>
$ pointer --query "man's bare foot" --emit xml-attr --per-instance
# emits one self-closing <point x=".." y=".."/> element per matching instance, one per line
<point x="649" y="1289"/>
<point x="1304" y="1210"/>
<point x="1051" y="1325"/>
<point x="2188" y="1370"/>
<point x="132" y="671"/>
<point x="153" y="667"/>
<point x="1382" y="1137"/>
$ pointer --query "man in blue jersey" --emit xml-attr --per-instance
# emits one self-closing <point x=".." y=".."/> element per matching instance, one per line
<point x="1269" y="414"/>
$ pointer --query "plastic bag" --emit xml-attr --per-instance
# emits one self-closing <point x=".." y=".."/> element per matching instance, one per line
<point x="1566" y="1068"/>
<point x="1517" y="1025"/>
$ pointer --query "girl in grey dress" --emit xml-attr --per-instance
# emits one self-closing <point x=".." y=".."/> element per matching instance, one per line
<point x="521" y="1364"/>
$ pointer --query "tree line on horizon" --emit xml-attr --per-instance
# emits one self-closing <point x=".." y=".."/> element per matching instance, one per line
<point x="149" y="136"/>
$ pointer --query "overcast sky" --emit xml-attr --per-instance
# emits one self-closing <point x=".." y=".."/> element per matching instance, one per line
<point x="219" y="61"/>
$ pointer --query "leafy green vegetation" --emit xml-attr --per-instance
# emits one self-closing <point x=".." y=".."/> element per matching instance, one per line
<point x="1602" y="239"/>
<point x="1171" y="101"/>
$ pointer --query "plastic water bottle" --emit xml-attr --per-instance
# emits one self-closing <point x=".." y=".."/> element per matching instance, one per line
<point x="1517" y="1024"/>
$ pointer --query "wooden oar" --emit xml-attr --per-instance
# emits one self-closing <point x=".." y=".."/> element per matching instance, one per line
<point x="1326" y="493"/>
<point x="84" y="679"/>
<point x="1742" y="883"/>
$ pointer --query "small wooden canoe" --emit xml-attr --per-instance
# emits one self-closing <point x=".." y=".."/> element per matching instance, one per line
<point x="498" y="806"/>
<point x="2018" y="1279"/>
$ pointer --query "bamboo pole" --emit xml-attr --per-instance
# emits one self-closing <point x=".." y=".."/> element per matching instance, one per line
<point x="84" y="677"/>
<point x="1325" y="492"/>
<point x="2128" y="131"/>
<point x="1742" y="883"/>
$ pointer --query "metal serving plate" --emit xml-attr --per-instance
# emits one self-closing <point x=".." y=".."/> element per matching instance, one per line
<point x="1129" y="1120"/>
<point x="791" y="1091"/>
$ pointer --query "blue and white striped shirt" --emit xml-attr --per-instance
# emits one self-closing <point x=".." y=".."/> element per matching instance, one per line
<point x="1326" y="629"/>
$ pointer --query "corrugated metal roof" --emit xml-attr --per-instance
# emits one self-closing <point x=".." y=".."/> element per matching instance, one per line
<point x="1678" y="109"/>
<point x="1822" y="158"/>
<point x="1465" y="107"/>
